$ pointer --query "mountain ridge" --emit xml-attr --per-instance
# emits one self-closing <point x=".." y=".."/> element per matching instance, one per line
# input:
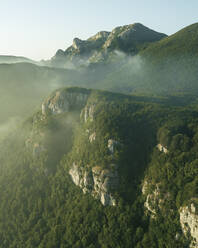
<point x="99" y="46"/>
<point x="10" y="59"/>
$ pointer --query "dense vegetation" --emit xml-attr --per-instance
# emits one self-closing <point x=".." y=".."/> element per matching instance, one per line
<point x="40" y="205"/>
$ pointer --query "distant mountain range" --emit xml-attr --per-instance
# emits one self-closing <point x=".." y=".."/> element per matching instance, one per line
<point x="135" y="59"/>
<point x="7" y="59"/>
<point x="129" y="39"/>
<point x="132" y="59"/>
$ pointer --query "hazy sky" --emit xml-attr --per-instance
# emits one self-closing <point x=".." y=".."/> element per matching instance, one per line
<point x="37" y="28"/>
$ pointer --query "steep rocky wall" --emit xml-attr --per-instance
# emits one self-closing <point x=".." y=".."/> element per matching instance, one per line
<point x="88" y="112"/>
<point x="162" y="148"/>
<point x="64" y="101"/>
<point x="189" y="222"/>
<point x="97" y="181"/>
<point x="155" y="198"/>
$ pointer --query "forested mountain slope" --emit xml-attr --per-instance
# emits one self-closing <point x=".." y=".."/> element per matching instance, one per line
<point x="100" y="47"/>
<point x="99" y="169"/>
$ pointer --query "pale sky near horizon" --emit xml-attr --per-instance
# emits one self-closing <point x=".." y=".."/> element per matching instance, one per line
<point x="38" y="28"/>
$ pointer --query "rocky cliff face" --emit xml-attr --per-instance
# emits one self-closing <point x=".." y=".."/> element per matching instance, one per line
<point x="132" y="33"/>
<point x="155" y="199"/>
<point x="188" y="215"/>
<point x="112" y="144"/>
<point x="152" y="199"/>
<point x="88" y="112"/>
<point x="97" y="181"/>
<point x="189" y="222"/>
<point x="162" y="148"/>
<point x="100" y="182"/>
<point x="64" y="101"/>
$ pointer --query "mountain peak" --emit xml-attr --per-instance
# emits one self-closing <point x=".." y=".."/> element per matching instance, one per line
<point x="125" y="38"/>
<point x="77" y="43"/>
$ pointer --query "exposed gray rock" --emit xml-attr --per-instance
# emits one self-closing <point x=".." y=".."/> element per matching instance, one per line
<point x="64" y="101"/>
<point x="98" y="182"/>
<point x="112" y="145"/>
<point x="162" y="148"/>
<point x="151" y="202"/>
<point x="92" y="43"/>
<point x="76" y="174"/>
<point x="132" y="33"/>
<point x="88" y="113"/>
<point x="189" y="222"/>
<point x="100" y="35"/>
<point x="155" y="199"/>
<point x="92" y="137"/>
<point x="77" y="43"/>
<point x="99" y="47"/>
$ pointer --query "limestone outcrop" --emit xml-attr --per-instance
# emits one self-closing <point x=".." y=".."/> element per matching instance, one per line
<point x="64" y="101"/>
<point x="100" y="46"/>
<point x="189" y="222"/>
<point x="162" y="148"/>
<point x="155" y="198"/>
<point x="132" y="33"/>
<point x="97" y="181"/>
<point x="88" y="113"/>
<point x="102" y="35"/>
<point x="112" y="145"/>
<point x="92" y="137"/>
<point x="78" y="44"/>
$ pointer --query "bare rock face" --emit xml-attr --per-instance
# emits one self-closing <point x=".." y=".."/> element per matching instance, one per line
<point x="152" y="199"/>
<point x="132" y="33"/>
<point x="97" y="181"/>
<point x="88" y="113"/>
<point x="189" y="222"/>
<point x="112" y="145"/>
<point x="64" y="101"/>
<point x="92" y="43"/>
<point x="162" y="148"/>
<point x="92" y="137"/>
<point x="102" y="35"/>
<point x="77" y="43"/>
<point x="155" y="199"/>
